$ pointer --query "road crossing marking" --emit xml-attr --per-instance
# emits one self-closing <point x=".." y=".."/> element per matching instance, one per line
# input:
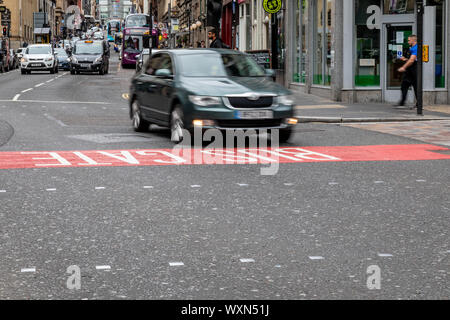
<point x="16" y="97"/>
<point x="246" y="260"/>
<point x="316" y="257"/>
<point x="385" y="255"/>
<point x="196" y="156"/>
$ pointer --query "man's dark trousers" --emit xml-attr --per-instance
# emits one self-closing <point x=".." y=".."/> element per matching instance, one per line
<point x="409" y="79"/>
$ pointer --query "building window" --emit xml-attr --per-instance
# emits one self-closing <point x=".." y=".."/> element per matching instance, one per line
<point x="301" y="15"/>
<point x="248" y="29"/>
<point x="439" y="80"/>
<point x="322" y="42"/>
<point x="318" y="44"/>
<point x="398" y="6"/>
<point x="367" y="62"/>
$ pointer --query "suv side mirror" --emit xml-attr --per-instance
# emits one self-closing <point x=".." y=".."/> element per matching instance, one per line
<point x="270" y="73"/>
<point x="163" y="73"/>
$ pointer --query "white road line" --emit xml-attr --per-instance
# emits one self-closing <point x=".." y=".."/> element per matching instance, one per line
<point x="385" y="255"/>
<point x="62" y="124"/>
<point x="99" y="188"/>
<point x="26" y="90"/>
<point x="28" y="269"/>
<point x="288" y="184"/>
<point x="103" y="267"/>
<point x="16" y="97"/>
<point x="242" y="184"/>
<point x="245" y="260"/>
<point x="51" y="189"/>
<point x="148" y="187"/>
<point x="49" y="80"/>
<point x="332" y="183"/>
<point x="420" y="180"/>
<point x="176" y="264"/>
<point x="195" y="186"/>
<point x="316" y="257"/>
<point x="378" y="182"/>
<point x="38" y="85"/>
<point x="54" y="101"/>
<point x="2" y="191"/>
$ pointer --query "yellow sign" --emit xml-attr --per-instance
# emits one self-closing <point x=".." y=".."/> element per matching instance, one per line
<point x="272" y="6"/>
<point x="425" y="53"/>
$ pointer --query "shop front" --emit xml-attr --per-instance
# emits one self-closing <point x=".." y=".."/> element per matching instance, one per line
<point x="350" y="50"/>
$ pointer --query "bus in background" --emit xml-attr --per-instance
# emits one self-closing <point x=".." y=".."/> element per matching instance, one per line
<point x="135" y="37"/>
<point x="112" y="26"/>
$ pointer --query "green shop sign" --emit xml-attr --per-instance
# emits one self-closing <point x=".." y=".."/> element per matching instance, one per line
<point x="272" y="6"/>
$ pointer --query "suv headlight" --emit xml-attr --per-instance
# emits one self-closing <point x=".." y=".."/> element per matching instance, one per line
<point x="24" y="59"/>
<point x="98" y="60"/>
<point x="49" y="59"/>
<point x="204" y="101"/>
<point x="287" y="99"/>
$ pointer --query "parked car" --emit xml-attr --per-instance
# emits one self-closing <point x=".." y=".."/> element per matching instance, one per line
<point x="208" y="88"/>
<point x="19" y="53"/>
<point x="4" y="55"/>
<point x="39" y="57"/>
<point x="90" y="56"/>
<point x="14" y="60"/>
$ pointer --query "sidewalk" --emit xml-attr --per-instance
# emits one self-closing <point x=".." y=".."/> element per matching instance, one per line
<point x="310" y="108"/>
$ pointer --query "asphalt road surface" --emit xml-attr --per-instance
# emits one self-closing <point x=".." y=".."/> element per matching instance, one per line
<point x="322" y="227"/>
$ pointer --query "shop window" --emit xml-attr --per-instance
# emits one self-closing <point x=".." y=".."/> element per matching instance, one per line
<point x="301" y="15"/>
<point x="367" y="62"/>
<point x="322" y="43"/>
<point x="318" y="44"/>
<point x="398" y="6"/>
<point x="439" y="81"/>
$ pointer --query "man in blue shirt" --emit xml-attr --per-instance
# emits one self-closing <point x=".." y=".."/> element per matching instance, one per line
<point x="409" y="69"/>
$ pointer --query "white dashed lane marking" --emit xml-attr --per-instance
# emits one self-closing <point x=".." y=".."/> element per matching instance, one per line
<point x="242" y="184"/>
<point x="246" y="260"/>
<point x="16" y="97"/>
<point x="176" y="264"/>
<point x="51" y="189"/>
<point x="2" y="191"/>
<point x="106" y="267"/>
<point x="99" y="188"/>
<point x="385" y="255"/>
<point x="28" y="270"/>
<point x="316" y="257"/>
<point x="38" y="85"/>
<point x="195" y="186"/>
<point x="26" y="90"/>
<point x="148" y="187"/>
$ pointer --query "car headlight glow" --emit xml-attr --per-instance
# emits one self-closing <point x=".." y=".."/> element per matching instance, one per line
<point x="49" y="59"/>
<point x="98" y="60"/>
<point x="204" y="101"/>
<point x="24" y="59"/>
<point x="287" y="100"/>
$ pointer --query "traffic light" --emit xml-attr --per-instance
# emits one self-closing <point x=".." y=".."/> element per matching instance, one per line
<point x="434" y="2"/>
<point x="214" y="13"/>
<point x="5" y="31"/>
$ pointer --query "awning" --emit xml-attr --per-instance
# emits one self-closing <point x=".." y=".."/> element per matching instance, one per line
<point x="41" y="30"/>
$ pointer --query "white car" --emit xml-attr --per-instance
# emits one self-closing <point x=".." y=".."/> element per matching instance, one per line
<point x="39" y="57"/>
<point x="98" y="35"/>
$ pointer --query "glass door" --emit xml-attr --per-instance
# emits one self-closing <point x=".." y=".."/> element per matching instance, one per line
<point x="395" y="47"/>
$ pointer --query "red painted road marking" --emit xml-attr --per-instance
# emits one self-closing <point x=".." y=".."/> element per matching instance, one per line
<point x="151" y="157"/>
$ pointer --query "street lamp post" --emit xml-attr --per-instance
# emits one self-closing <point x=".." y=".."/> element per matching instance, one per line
<point x="420" y="9"/>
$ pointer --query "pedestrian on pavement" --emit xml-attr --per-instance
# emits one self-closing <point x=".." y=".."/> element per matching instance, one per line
<point x="202" y="44"/>
<point x="409" y="70"/>
<point x="216" y="42"/>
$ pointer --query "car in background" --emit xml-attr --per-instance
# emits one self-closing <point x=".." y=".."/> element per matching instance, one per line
<point x="63" y="59"/>
<point x="39" y="57"/>
<point x="14" y="60"/>
<point x="98" y="35"/>
<point x="19" y="53"/>
<point x="4" y="55"/>
<point x="90" y="56"/>
<point x="208" y="88"/>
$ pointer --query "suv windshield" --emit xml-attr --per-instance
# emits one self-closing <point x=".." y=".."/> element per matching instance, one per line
<point x="39" y="50"/>
<point x="88" y="48"/>
<point x="219" y="65"/>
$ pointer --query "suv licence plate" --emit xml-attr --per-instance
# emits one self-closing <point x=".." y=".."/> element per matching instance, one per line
<point x="35" y="64"/>
<point x="85" y="65"/>
<point x="254" y="114"/>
